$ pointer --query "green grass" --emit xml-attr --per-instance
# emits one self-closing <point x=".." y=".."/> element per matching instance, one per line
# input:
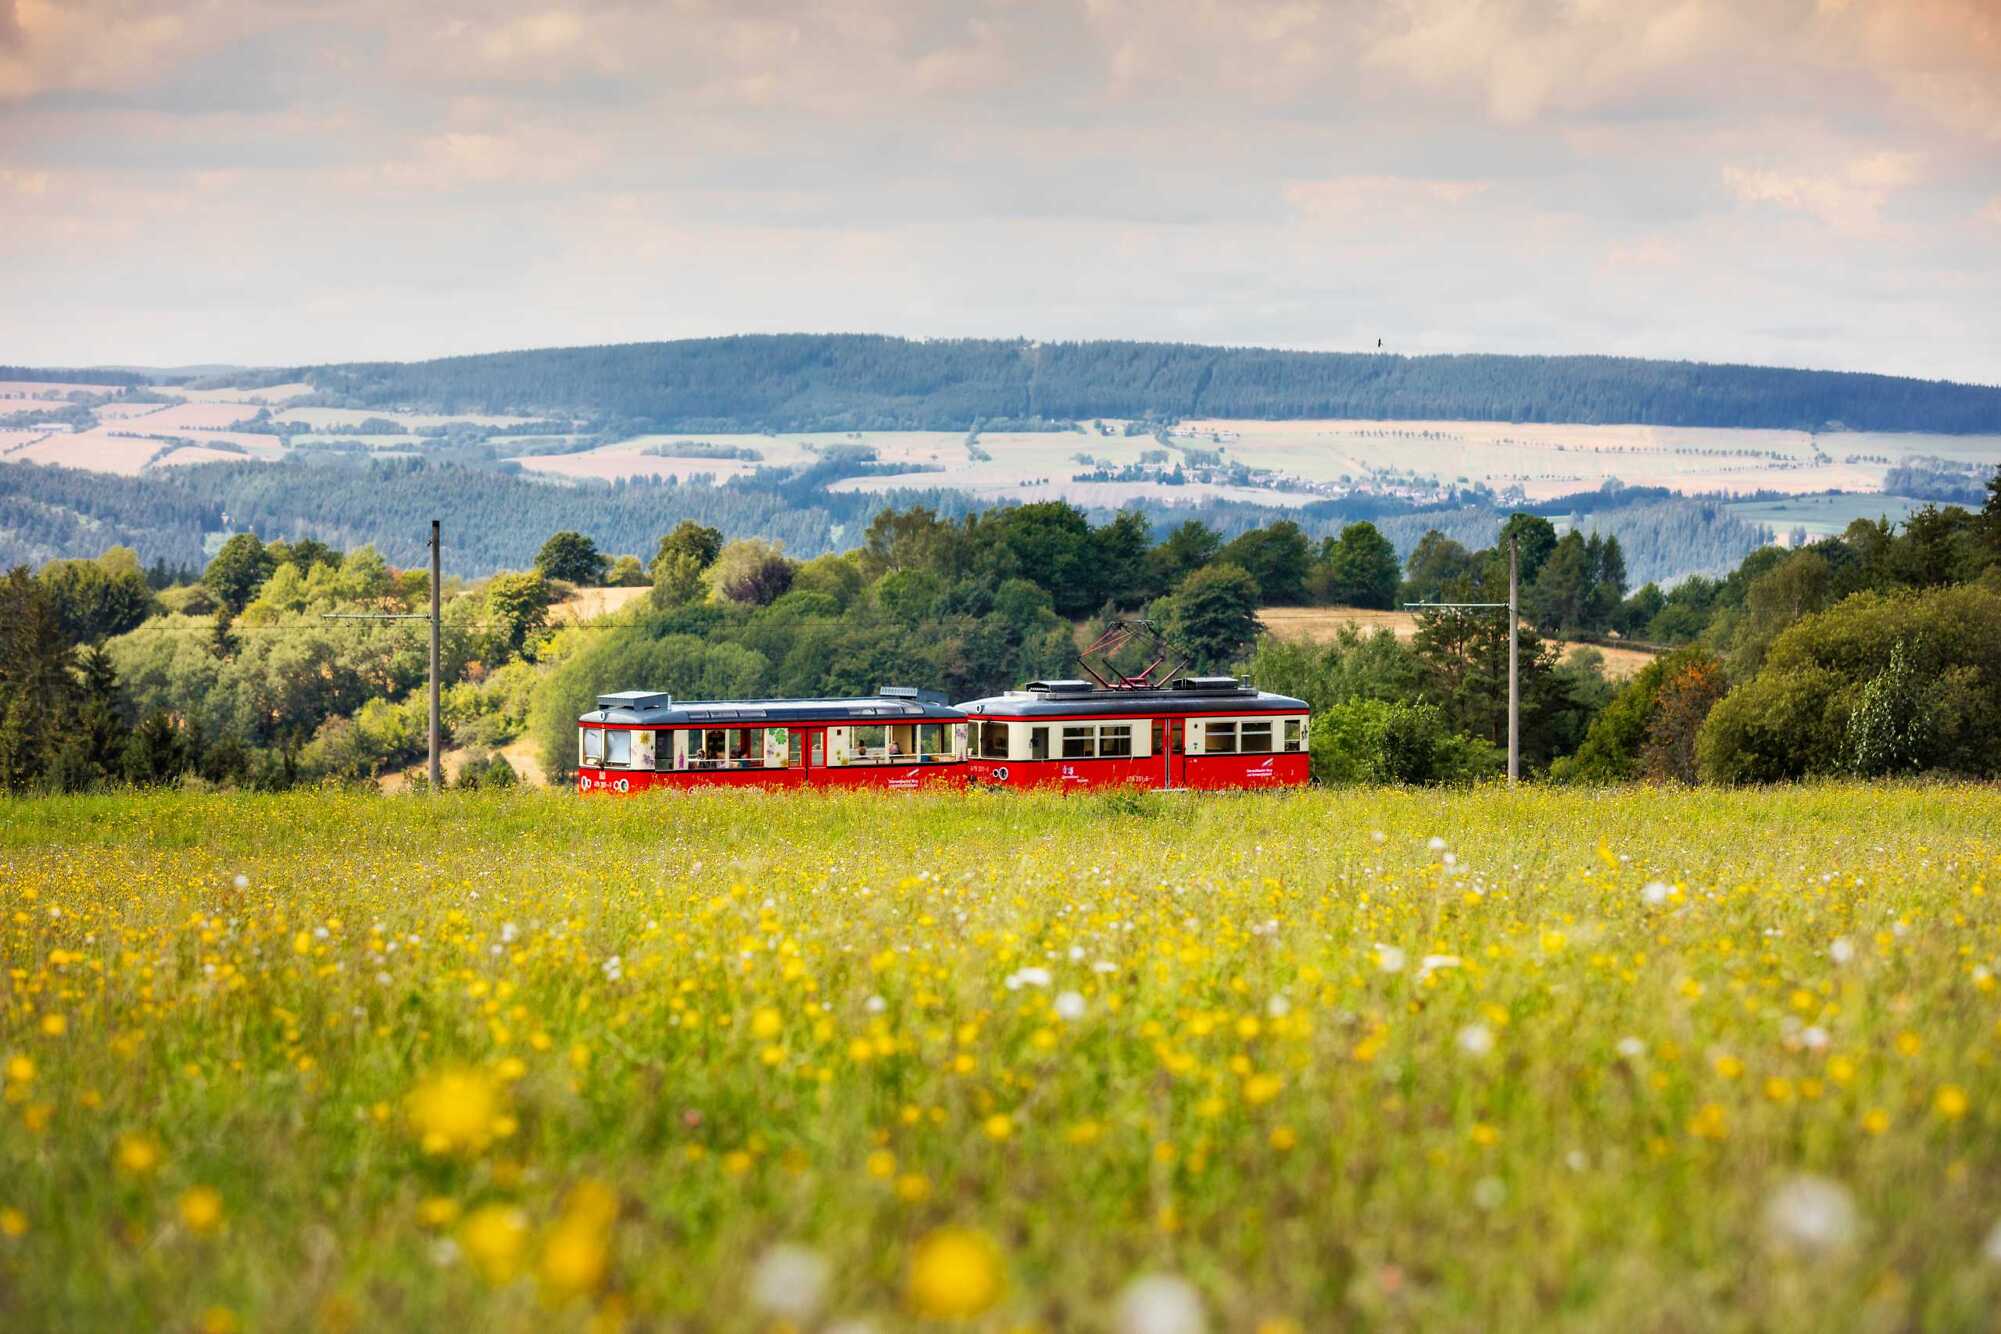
<point x="1587" y="1121"/>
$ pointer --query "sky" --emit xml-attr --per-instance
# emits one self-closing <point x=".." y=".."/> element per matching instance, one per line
<point x="1792" y="182"/>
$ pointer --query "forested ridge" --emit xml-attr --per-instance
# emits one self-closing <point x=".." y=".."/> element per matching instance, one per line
<point x="866" y="381"/>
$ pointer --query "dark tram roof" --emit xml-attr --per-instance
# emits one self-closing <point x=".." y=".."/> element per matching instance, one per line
<point x="648" y="708"/>
<point x="1190" y="694"/>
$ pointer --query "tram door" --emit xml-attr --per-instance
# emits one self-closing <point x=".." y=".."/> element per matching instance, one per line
<point x="1170" y="750"/>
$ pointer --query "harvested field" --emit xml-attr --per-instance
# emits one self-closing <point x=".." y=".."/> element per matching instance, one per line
<point x="1320" y="625"/>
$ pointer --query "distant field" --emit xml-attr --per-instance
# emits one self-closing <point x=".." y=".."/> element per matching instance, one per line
<point x="1823" y="516"/>
<point x="1319" y="625"/>
<point x="1326" y="1060"/>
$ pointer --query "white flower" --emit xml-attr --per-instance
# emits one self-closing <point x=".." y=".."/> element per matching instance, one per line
<point x="1814" y="1039"/>
<point x="1160" y="1304"/>
<point x="1991" y="1248"/>
<point x="875" y="1005"/>
<point x="1027" y="977"/>
<point x="790" y="1281"/>
<point x="1841" y="951"/>
<point x="1655" y="892"/>
<point x="1576" y="1161"/>
<point x="1377" y="836"/>
<point x="1278" y="1007"/>
<point x="509" y="933"/>
<point x="1431" y="963"/>
<point x="1076" y="954"/>
<point x="1475" y="1040"/>
<point x="1436" y="844"/>
<point x="242" y="880"/>
<point x="1069" y="1005"/>
<point x="1490" y="1193"/>
<point x="1389" y="958"/>
<point x="1811" y="1213"/>
<point x="1632" y="1048"/>
<point x="1104" y="966"/>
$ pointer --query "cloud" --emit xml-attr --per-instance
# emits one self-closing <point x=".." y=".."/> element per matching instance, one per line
<point x="1691" y="177"/>
<point x="1849" y="200"/>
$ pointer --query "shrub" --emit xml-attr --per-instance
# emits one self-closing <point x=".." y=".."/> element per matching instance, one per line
<point x="1381" y="741"/>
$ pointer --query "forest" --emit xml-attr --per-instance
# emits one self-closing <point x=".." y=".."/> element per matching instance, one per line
<point x="1876" y="652"/>
<point x="812" y="382"/>
<point x="494" y="519"/>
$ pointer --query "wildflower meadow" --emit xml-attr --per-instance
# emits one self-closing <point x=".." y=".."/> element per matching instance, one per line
<point x="1374" y="1059"/>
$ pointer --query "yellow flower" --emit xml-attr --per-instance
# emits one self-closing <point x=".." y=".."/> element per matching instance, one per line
<point x="1553" y="942"/>
<point x="577" y="1252"/>
<point x="12" y="1222"/>
<point x="1727" y="1067"/>
<point x="1261" y="1089"/>
<point x="955" y="1273"/>
<point x="1283" y="1138"/>
<point x="1876" y="1121"/>
<point x="20" y="1070"/>
<point x="1709" y="1123"/>
<point x="201" y="1209"/>
<point x="137" y="1154"/>
<point x="454" y="1111"/>
<point x="998" y="1126"/>
<point x="219" y="1320"/>
<point x="736" y="1162"/>
<point x="54" y="1025"/>
<point x="438" y="1211"/>
<point x="913" y="1188"/>
<point x="1909" y="1043"/>
<point x="1951" y="1102"/>
<point x="1084" y="1132"/>
<point x="1485" y="1135"/>
<point x="494" y="1239"/>
<point x="766" y="1024"/>
<point x="882" y="1164"/>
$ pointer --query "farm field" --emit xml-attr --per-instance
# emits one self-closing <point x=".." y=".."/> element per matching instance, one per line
<point x="1320" y="625"/>
<point x="1376" y="1059"/>
<point x="1823" y="516"/>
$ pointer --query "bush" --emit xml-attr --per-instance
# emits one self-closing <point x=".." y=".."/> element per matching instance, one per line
<point x="1381" y="741"/>
<point x="1900" y="682"/>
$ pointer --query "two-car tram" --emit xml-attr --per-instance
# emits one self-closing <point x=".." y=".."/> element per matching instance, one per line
<point x="897" y="739"/>
<point x="1203" y="732"/>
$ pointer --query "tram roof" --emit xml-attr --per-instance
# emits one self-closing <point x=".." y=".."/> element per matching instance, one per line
<point x="1077" y="699"/>
<point x="647" y="708"/>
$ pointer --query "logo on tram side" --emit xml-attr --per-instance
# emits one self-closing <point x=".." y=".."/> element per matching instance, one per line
<point x="1259" y="770"/>
<point x="909" y="779"/>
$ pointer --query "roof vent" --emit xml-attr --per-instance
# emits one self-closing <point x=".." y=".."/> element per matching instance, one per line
<point x="636" y="700"/>
<point x="897" y="692"/>
<point x="1061" y="687"/>
<point x="1209" y="683"/>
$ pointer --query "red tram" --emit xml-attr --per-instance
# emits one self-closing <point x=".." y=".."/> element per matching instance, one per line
<point x="898" y="739"/>
<point x="1202" y="732"/>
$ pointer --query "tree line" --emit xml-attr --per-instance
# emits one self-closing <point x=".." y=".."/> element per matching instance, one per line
<point x="796" y="382"/>
<point x="1877" y="652"/>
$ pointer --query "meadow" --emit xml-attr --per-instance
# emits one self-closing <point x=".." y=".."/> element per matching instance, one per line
<point x="1376" y="1059"/>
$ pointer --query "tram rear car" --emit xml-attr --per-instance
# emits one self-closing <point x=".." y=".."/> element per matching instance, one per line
<point x="635" y="740"/>
<point x="1203" y="732"/>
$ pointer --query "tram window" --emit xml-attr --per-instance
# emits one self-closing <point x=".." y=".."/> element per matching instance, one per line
<point x="1080" y="743"/>
<point x="933" y="742"/>
<point x="1254" y="738"/>
<point x="746" y="748"/>
<point x="642" y="750"/>
<point x="868" y="743"/>
<point x="1159" y="736"/>
<point x="1038" y="743"/>
<point x="795" y="748"/>
<point x="992" y="740"/>
<point x="618" y="747"/>
<point x="1219" y="739"/>
<point x="819" y="750"/>
<point x="593" y="745"/>
<point x="1115" y="740"/>
<point x="1294" y="729"/>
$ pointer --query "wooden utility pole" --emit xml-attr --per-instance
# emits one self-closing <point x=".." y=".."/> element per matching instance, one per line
<point x="1513" y="607"/>
<point x="437" y="761"/>
<point x="1514" y="663"/>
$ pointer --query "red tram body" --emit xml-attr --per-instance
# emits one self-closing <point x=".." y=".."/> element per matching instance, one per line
<point x="1208" y="733"/>
<point x="1203" y="733"/>
<point x="897" y="740"/>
